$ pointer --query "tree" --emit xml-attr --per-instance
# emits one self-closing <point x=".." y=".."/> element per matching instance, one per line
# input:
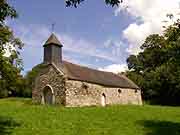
<point x="77" y="2"/>
<point x="11" y="66"/>
<point x="156" y="70"/>
<point x="31" y="76"/>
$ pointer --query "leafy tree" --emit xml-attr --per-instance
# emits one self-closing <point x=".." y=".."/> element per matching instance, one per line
<point x="11" y="66"/>
<point x="77" y="2"/>
<point x="6" y="11"/>
<point x="156" y="69"/>
<point x="30" y="77"/>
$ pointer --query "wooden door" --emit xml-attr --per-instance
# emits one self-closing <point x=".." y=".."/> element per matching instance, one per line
<point x="48" y="95"/>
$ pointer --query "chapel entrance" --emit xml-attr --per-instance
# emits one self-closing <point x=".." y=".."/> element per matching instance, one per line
<point x="48" y="95"/>
<point x="103" y="100"/>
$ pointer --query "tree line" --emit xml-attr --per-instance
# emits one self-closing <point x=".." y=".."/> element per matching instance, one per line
<point x="156" y="69"/>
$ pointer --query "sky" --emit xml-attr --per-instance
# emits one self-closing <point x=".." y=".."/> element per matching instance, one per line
<point x="94" y="34"/>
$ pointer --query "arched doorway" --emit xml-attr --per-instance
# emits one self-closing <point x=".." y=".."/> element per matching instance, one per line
<point x="48" y="95"/>
<point x="103" y="100"/>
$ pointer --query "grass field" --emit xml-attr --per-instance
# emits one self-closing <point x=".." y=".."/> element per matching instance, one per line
<point x="20" y="117"/>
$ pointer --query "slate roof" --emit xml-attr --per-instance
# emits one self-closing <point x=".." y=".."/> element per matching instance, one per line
<point x="81" y="73"/>
<point x="53" y="40"/>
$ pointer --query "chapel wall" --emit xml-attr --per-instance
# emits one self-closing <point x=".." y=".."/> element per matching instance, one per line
<point x="54" y="79"/>
<point x="86" y="94"/>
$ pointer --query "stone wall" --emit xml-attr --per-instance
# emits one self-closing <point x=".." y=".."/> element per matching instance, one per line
<point x="76" y="93"/>
<point x="86" y="94"/>
<point x="53" y="78"/>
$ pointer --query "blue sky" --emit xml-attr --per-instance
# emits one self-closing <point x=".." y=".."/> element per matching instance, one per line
<point x="93" y="34"/>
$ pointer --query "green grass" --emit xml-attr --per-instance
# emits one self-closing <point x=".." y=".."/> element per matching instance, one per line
<point x="20" y="117"/>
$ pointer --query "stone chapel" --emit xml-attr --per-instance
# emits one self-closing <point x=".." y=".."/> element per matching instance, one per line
<point x="64" y="83"/>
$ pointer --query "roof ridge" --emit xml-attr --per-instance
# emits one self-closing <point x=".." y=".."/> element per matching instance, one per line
<point x="90" y="68"/>
<point x="86" y="74"/>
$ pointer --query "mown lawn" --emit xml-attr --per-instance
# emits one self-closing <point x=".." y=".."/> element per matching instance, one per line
<point x="20" y="117"/>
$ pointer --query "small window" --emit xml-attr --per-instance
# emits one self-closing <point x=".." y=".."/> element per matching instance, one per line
<point x="84" y="86"/>
<point x="136" y="91"/>
<point x="103" y="95"/>
<point x="119" y="91"/>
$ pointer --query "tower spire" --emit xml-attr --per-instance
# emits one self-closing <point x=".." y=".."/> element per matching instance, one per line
<point x="53" y="50"/>
<point x="53" y="40"/>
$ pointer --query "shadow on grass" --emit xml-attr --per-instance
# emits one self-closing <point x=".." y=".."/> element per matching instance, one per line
<point x="153" y="127"/>
<point x="7" y="125"/>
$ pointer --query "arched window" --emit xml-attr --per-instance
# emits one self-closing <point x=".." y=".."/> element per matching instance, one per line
<point x="84" y="86"/>
<point x="119" y="91"/>
<point x="136" y="91"/>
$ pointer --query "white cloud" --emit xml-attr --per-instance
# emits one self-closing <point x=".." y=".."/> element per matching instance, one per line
<point x="136" y="34"/>
<point x="149" y="16"/>
<point x="85" y="47"/>
<point x="35" y="35"/>
<point x="109" y="50"/>
<point x="115" y="68"/>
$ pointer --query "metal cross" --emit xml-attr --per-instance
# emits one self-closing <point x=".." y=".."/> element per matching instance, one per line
<point x="53" y="26"/>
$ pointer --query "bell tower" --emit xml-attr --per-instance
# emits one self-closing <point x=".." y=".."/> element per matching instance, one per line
<point x="53" y="50"/>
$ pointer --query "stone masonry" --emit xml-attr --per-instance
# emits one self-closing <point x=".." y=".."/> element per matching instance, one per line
<point x="73" y="93"/>
<point x="55" y="80"/>
<point x="87" y="94"/>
